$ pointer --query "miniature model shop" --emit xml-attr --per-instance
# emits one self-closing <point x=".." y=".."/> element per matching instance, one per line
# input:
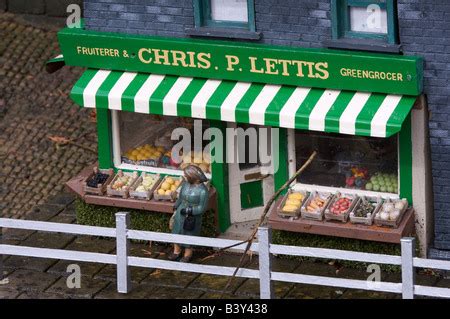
<point x="358" y="144"/>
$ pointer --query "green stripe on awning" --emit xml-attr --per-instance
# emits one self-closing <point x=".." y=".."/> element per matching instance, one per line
<point x="333" y="111"/>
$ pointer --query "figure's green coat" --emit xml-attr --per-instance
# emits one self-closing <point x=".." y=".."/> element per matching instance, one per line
<point x="195" y="196"/>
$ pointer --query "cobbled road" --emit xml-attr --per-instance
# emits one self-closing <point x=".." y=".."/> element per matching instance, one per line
<point x="33" y="106"/>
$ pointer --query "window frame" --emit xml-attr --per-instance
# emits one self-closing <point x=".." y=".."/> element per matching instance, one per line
<point x="403" y="170"/>
<point x="341" y="28"/>
<point x="202" y="13"/>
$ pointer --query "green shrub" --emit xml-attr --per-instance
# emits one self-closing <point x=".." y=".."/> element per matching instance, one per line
<point x="104" y="216"/>
<point x="309" y="240"/>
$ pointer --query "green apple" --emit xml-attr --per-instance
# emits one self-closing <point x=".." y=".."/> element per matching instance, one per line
<point x="383" y="189"/>
<point x="376" y="187"/>
<point x="369" y="186"/>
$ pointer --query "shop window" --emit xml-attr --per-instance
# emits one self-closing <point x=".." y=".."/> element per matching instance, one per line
<point x="225" y="14"/>
<point x="365" y="19"/>
<point x="352" y="162"/>
<point x="143" y="142"/>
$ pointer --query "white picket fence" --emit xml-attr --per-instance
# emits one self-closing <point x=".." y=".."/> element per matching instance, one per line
<point x="264" y="248"/>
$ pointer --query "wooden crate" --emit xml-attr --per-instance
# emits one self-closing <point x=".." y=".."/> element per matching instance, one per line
<point x="375" y="201"/>
<point x="146" y="194"/>
<point x="173" y="195"/>
<point x="100" y="190"/>
<point x="318" y="214"/>
<point x="391" y="223"/>
<point x="287" y="214"/>
<point x="121" y="193"/>
<point x="329" y="216"/>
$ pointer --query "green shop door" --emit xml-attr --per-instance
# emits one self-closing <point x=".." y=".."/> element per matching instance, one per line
<point x="250" y="181"/>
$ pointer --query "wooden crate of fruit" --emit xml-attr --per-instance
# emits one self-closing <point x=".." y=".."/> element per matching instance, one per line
<point x="120" y="185"/>
<point x="315" y="205"/>
<point x="391" y="213"/>
<point x="97" y="181"/>
<point x="291" y="204"/>
<point x="144" y="186"/>
<point x="168" y="188"/>
<point x="340" y="207"/>
<point x="365" y="210"/>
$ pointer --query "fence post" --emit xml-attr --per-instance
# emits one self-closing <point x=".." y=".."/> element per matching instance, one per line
<point x="407" y="245"/>
<point x="265" y="263"/>
<point x="122" y="250"/>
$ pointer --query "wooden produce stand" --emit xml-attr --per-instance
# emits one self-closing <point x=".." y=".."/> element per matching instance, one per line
<point x="346" y="230"/>
<point x="75" y="185"/>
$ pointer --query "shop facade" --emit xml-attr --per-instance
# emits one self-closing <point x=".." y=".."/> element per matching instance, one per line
<point x="363" y="112"/>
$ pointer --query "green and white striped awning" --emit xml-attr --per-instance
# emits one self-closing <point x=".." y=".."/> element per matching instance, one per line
<point x="346" y="112"/>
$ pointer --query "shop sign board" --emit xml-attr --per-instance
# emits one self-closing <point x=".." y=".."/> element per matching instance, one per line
<point x="244" y="62"/>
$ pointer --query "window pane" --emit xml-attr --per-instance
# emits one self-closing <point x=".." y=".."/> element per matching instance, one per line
<point x="229" y="10"/>
<point x="346" y="161"/>
<point x="370" y="19"/>
<point x="145" y="140"/>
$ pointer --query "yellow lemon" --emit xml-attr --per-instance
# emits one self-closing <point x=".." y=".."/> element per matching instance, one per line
<point x="297" y="196"/>
<point x="168" y="192"/>
<point x="165" y="186"/>
<point x="173" y="188"/>
<point x="293" y="202"/>
<point x="161" y="191"/>
<point x="290" y="208"/>
<point x="133" y="158"/>
<point x="135" y="152"/>
<point x="161" y="149"/>
<point x="177" y="183"/>
<point x="170" y="180"/>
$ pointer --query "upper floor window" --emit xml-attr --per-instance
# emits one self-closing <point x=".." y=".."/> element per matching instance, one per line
<point x="225" y="14"/>
<point x="365" y="19"/>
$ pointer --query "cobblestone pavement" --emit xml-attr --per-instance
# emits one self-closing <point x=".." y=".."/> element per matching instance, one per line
<point x="33" y="106"/>
<point x="45" y="278"/>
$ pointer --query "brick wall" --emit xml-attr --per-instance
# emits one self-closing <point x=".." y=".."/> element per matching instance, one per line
<point x="423" y="24"/>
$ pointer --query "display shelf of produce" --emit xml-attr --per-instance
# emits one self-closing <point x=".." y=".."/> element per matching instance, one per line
<point x="75" y="185"/>
<point x="346" y="230"/>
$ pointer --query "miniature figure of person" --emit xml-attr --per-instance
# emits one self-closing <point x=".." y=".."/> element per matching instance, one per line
<point x="188" y="210"/>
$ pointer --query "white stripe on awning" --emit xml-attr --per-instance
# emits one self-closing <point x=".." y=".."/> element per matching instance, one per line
<point x="201" y="99"/>
<point x="291" y="107"/>
<point x="258" y="109"/>
<point x="115" y="95"/>
<point x="143" y="96"/>
<point x="171" y="100"/>
<point x="90" y="92"/>
<point x="379" y="121"/>
<point x="347" y="121"/>
<point x="318" y="114"/>
<point x="228" y="108"/>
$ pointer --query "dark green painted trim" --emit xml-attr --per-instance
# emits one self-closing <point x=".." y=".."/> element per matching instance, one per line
<point x="251" y="195"/>
<point x="405" y="159"/>
<point x="202" y="17"/>
<point x="341" y="20"/>
<point x="105" y="157"/>
<point x="219" y="179"/>
<point x="281" y="175"/>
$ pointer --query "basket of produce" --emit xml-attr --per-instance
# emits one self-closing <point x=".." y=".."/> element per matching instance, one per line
<point x="340" y="207"/>
<point x="391" y="213"/>
<point x="144" y="186"/>
<point x="121" y="184"/>
<point x="97" y="181"/>
<point x="365" y="210"/>
<point x="168" y="188"/>
<point x="146" y="155"/>
<point x="291" y="204"/>
<point x="315" y="205"/>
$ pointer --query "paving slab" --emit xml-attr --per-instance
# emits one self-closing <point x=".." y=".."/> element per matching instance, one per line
<point x="169" y="278"/>
<point x="29" y="263"/>
<point x="48" y="240"/>
<point x="175" y="293"/>
<point x="40" y="295"/>
<point x="45" y="212"/>
<point x="216" y="295"/>
<point x="143" y="291"/>
<point x="89" y="287"/>
<point x="28" y="280"/>
<point x="8" y="293"/>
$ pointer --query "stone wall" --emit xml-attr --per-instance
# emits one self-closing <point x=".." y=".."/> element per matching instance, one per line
<point x="53" y="8"/>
